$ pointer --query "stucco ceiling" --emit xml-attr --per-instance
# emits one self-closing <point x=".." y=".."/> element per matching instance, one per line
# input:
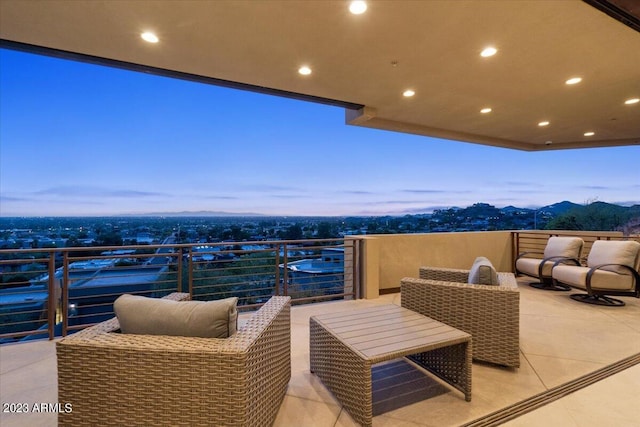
<point x="365" y="62"/>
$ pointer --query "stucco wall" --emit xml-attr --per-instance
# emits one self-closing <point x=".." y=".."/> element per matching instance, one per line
<point x="388" y="258"/>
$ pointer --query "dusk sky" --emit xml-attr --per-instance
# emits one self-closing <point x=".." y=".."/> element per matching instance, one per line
<point x="79" y="139"/>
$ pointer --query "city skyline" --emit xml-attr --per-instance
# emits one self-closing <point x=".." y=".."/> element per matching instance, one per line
<point x="87" y="140"/>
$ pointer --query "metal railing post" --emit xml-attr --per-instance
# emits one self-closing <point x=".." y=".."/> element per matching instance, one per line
<point x="285" y="285"/>
<point x="355" y="280"/>
<point x="179" y="268"/>
<point x="277" y="281"/>
<point x="65" y="293"/>
<point x="52" y="303"/>
<point x="515" y="237"/>
<point x="190" y="266"/>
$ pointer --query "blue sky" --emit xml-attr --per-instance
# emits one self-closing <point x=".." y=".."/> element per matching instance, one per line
<point x="81" y="139"/>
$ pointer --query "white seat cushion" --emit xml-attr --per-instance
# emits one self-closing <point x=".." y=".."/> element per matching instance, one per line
<point x="530" y="266"/>
<point x="601" y="280"/>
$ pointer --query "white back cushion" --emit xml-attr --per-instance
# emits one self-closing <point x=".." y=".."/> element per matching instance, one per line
<point x="482" y="272"/>
<point x="156" y="316"/>
<point x="568" y="247"/>
<point x="625" y="252"/>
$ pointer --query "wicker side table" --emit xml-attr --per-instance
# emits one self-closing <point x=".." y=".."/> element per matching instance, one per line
<point x="344" y="347"/>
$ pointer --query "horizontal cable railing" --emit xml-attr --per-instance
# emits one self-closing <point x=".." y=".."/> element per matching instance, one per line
<point x="55" y="291"/>
<point x="534" y="241"/>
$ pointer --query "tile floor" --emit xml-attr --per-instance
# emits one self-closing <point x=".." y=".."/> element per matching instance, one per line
<point x="560" y="340"/>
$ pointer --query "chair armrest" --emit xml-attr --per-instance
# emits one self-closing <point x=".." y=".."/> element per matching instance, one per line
<point x="444" y="274"/>
<point x="522" y="255"/>
<point x="633" y="271"/>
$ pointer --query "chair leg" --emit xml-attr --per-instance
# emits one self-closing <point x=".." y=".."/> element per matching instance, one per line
<point x="598" y="300"/>
<point x="547" y="284"/>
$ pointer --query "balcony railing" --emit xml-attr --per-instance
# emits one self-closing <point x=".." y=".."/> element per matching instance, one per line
<point x="535" y="241"/>
<point x="53" y="292"/>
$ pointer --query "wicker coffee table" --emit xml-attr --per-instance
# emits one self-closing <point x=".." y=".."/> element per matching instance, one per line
<point x="344" y="346"/>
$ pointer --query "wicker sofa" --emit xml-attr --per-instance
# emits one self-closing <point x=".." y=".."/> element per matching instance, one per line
<point x="120" y="379"/>
<point x="491" y="314"/>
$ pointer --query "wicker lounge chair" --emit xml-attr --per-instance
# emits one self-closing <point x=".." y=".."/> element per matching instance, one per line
<point x="120" y="379"/>
<point x="612" y="269"/>
<point x="491" y="314"/>
<point x="565" y="250"/>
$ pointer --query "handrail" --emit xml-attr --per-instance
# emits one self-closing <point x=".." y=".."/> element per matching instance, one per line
<point x="75" y="287"/>
<point x="534" y="241"/>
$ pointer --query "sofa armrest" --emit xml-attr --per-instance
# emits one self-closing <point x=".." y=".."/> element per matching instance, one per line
<point x="444" y="274"/>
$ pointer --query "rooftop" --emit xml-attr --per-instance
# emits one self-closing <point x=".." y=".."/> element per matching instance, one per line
<point x="561" y="340"/>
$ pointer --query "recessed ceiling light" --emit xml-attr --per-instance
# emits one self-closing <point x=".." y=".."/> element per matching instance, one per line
<point x="632" y="101"/>
<point x="358" y="7"/>
<point x="408" y="93"/>
<point x="304" y="70"/>
<point x="485" y="110"/>
<point x="545" y="123"/>
<point x="149" y="37"/>
<point x="574" y="80"/>
<point x="489" y="51"/>
<point x="589" y="133"/>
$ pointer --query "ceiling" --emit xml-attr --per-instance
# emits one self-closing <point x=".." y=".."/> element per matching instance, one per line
<point x="365" y="62"/>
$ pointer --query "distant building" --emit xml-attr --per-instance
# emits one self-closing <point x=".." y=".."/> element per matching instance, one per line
<point x="310" y="274"/>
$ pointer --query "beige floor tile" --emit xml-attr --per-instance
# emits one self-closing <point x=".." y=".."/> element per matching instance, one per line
<point x="305" y="385"/>
<point x="47" y="394"/>
<point x="578" y="339"/>
<point x="614" y="396"/>
<point x="554" y="371"/>
<point x="556" y="347"/>
<point x="30" y="420"/>
<point x="296" y="412"/>
<point x="629" y="314"/>
<point x="449" y="409"/>
<point x="505" y="386"/>
<point x="558" y="304"/>
<point x="552" y="415"/>
<point x="13" y="356"/>
<point x="14" y="387"/>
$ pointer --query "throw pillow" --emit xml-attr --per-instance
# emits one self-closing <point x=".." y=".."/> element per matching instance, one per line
<point x="157" y="316"/>
<point x="482" y="272"/>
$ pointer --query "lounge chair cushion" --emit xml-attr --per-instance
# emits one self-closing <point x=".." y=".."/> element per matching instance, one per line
<point x="624" y="252"/>
<point x="561" y="246"/>
<point x="155" y="316"/>
<point x="602" y="279"/>
<point x="557" y="247"/>
<point x="483" y="273"/>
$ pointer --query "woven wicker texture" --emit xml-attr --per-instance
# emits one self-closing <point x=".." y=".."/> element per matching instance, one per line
<point x="491" y="314"/>
<point x="344" y="346"/>
<point x="114" y="379"/>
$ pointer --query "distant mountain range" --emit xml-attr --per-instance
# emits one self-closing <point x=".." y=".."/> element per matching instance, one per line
<point x="553" y="209"/>
<point x="196" y="213"/>
<point x="565" y="206"/>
